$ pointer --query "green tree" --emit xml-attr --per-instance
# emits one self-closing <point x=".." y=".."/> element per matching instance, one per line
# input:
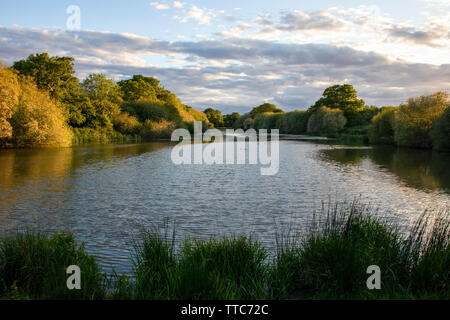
<point x="53" y="74"/>
<point x="105" y="96"/>
<point x="440" y="133"/>
<point x="141" y="88"/>
<point x="414" y="120"/>
<point x="343" y="97"/>
<point x="381" y="129"/>
<point x="214" y="117"/>
<point x="365" y="116"/>
<point x="326" y="120"/>
<point x="230" y="119"/>
<point x="265" y="108"/>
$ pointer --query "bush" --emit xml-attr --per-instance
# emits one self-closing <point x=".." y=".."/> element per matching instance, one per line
<point x="440" y="133"/>
<point x="381" y="129"/>
<point x="126" y="124"/>
<point x="38" y="121"/>
<point x="100" y="135"/>
<point x="34" y="266"/>
<point x="267" y="121"/>
<point x="9" y="97"/>
<point x="326" y="120"/>
<point x="295" y="122"/>
<point x="160" y="129"/>
<point x="414" y="120"/>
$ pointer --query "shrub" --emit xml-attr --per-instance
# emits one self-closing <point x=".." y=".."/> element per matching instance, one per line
<point x="440" y="133"/>
<point x="381" y="129"/>
<point x="38" y="121"/>
<point x="160" y="129"/>
<point x="124" y="123"/>
<point x="34" y="266"/>
<point x="9" y="97"/>
<point x="414" y="120"/>
<point x="326" y="120"/>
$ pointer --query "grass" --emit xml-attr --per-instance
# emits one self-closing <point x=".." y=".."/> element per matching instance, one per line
<point x="328" y="261"/>
<point x="33" y="266"/>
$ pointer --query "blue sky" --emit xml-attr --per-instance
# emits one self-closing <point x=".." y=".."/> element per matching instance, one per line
<point x="233" y="55"/>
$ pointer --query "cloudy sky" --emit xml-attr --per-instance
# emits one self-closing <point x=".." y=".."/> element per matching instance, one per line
<point x="234" y="55"/>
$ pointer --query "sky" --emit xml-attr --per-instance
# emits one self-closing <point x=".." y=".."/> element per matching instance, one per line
<point x="234" y="55"/>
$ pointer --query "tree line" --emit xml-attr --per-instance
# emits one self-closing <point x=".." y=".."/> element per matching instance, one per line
<point x="42" y="103"/>
<point x="421" y="122"/>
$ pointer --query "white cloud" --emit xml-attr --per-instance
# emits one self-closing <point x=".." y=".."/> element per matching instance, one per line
<point x="233" y="72"/>
<point x="160" y="6"/>
<point x="177" y="4"/>
<point x="200" y="15"/>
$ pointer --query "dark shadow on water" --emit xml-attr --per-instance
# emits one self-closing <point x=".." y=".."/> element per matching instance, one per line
<point x="421" y="169"/>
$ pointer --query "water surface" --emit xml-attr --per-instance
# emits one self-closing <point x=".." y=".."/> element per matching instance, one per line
<point x="108" y="194"/>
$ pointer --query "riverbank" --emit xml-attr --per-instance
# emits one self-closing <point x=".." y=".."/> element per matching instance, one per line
<point x="329" y="261"/>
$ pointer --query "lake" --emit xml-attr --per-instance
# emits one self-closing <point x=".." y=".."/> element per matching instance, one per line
<point x="108" y="194"/>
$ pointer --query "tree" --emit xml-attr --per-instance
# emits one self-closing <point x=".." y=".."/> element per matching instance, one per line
<point x="99" y="87"/>
<point x="264" y="108"/>
<point x="141" y="88"/>
<point x="381" y="129"/>
<point x="440" y="133"/>
<point x="53" y="74"/>
<point x="414" y="120"/>
<point x="105" y="96"/>
<point x="365" y="116"/>
<point x="214" y="117"/>
<point x="326" y="120"/>
<point x="343" y="97"/>
<point x="38" y="121"/>
<point x="9" y="97"/>
<point x="230" y="119"/>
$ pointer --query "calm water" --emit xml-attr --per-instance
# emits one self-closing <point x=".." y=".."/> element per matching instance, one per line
<point x="106" y="195"/>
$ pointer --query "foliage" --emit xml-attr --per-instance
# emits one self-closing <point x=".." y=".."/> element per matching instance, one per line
<point x="381" y="129"/>
<point x="265" y="108"/>
<point x="214" y="117"/>
<point x="230" y="119"/>
<point x="52" y="74"/>
<point x="9" y="97"/>
<point x="34" y="266"/>
<point x="141" y="88"/>
<point x="326" y="120"/>
<point x="366" y="115"/>
<point x="105" y="96"/>
<point x="202" y="270"/>
<point x="330" y="262"/>
<point x="38" y="121"/>
<point x="294" y="122"/>
<point x="414" y="120"/>
<point x="440" y="133"/>
<point x="126" y="124"/>
<point x="267" y="121"/>
<point x="343" y="97"/>
<point x="160" y="129"/>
